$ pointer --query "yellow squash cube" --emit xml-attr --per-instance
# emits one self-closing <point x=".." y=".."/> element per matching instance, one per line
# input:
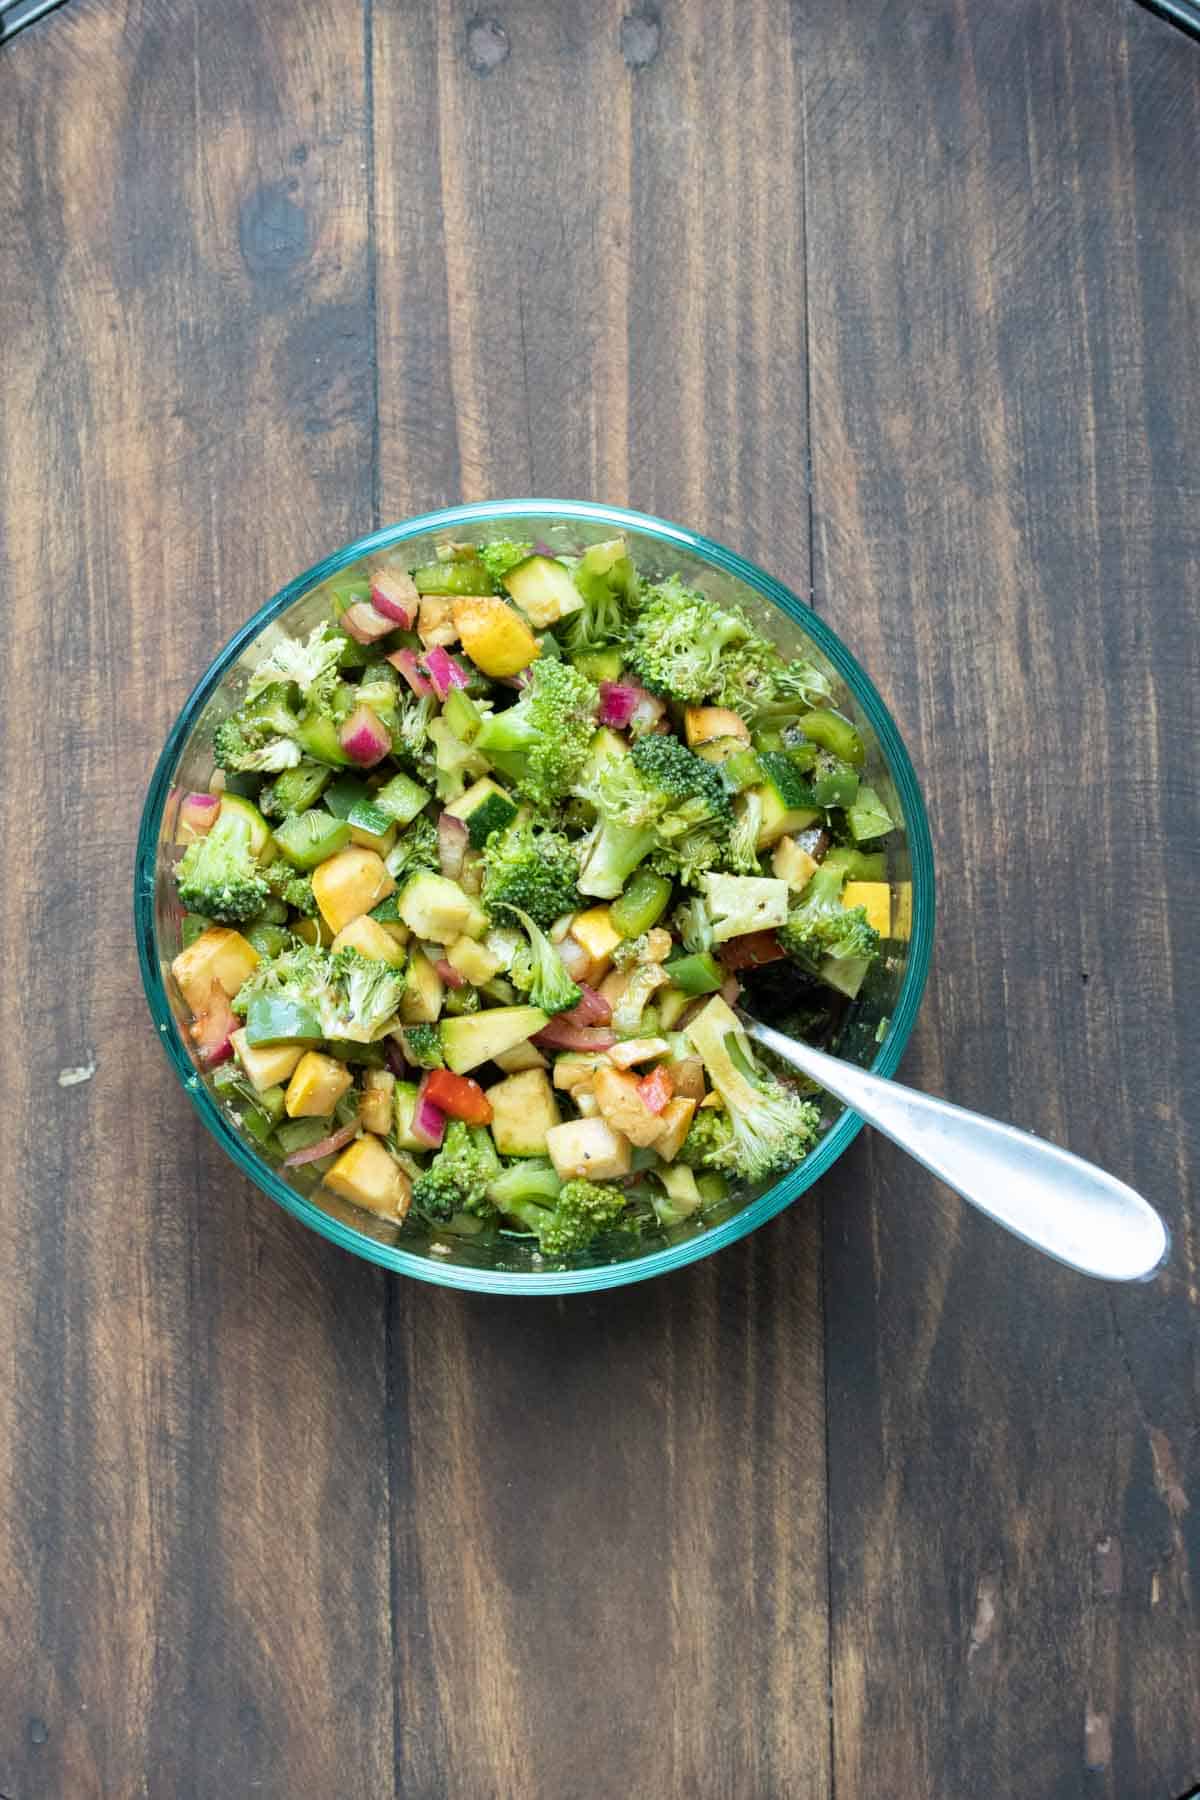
<point x="424" y="991"/>
<point x="677" y="1116"/>
<point x="375" y="1113"/>
<point x="367" y="1176"/>
<point x="701" y="724"/>
<point x="218" y="954"/>
<point x="266" y="1064"/>
<point x="494" y="636"/>
<point x="594" y="930"/>
<point x="350" y="884"/>
<point x="524" y="1109"/>
<point x="876" y="898"/>
<point x="316" y="1086"/>
<point x="474" y="962"/>
<point x="370" y="939"/>
<point x="792" y="863"/>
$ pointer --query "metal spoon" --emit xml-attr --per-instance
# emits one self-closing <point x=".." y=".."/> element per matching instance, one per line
<point x="1055" y="1201"/>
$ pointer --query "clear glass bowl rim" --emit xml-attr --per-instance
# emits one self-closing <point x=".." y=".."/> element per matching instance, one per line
<point x="768" y="1204"/>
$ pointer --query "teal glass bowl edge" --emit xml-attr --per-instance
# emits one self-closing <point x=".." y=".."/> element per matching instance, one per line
<point x="659" y="1262"/>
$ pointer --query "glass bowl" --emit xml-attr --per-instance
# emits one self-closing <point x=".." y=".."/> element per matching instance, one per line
<point x="876" y="1027"/>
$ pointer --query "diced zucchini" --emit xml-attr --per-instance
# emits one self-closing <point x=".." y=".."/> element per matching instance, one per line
<point x="845" y="973"/>
<point x="779" y="820"/>
<point x="260" y="831"/>
<point x="476" y="1039"/>
<point x="474" y="961"/>
<point x="741" y="904"/>
<point x="544" y="590"/>
<point x="713" y="724"/>
<point x="401" y="799"/>
<point x="308" y="838"/>
<point x="590" y="1149"/>
<point x="484" y="808"/>
<point x="523" y="1111"/>
<point x="521" y="1056"/>
<point x="672" y="1002"/>
<point x="785" y="780"/>
<point x="370" y="939"/>
<point x="599" y="665"/>
<point x="377" y="1109"/>
<point x="404" y="1105"/>
<point x="436" y="909"/>
<point x="421" y="1001"/>
<point x="344" y="794"/>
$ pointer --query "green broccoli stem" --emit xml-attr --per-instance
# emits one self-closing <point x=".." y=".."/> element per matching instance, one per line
<point x="523" y="1184"/>
<point x="615" y="853"/>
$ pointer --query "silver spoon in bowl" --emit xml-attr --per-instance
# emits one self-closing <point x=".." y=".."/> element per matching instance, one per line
<point x="1052" y="1199"/>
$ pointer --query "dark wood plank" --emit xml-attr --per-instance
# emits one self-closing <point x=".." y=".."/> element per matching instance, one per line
<point x="610" y="1530"/>
<point x="193" y="1534"/>
<point x="1005" y="412"/>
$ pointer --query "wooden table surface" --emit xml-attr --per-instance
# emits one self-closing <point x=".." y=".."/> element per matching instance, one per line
<point x="901" y="298"/>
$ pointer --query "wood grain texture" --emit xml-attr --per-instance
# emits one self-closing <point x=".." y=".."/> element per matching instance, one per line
<point x="1002" y="282"/>
<point x="193" y="1535"/>
<point x="609" y="1513"/>
<point x="276" y="1525"/>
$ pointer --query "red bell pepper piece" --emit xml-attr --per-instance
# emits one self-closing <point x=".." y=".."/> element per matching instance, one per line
<point x="458" y="1096"/>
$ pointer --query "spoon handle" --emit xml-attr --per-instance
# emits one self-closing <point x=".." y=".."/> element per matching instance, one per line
<point x="1069" y="1208"/>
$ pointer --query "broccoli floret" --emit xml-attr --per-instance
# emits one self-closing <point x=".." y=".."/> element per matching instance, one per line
<point x="528" y="1179"/>
<point x="353" y="997"/>
<point x="294" y="890"/>
<point x="454" y="763"/>
<point x="219" y="875"/>
<point x="415" y="849"/>
<point x="532" y="867"/>
<point x="819" y="925"/>
<point x="582" y="1210"/>
<point x="679" y="639"/>
<point x="365" y="994"/>
<point x="693" y="925"/>
<point x="542" y="742"/>
<point x="540" y="972"/>
<point x="742" y="853"/>
<point x="661" y="798"/>
<point x="502" y="555"/>
<point x="259" y="738"/>
<point x="303" y="975"/>
<point x="607" y="580"/>
<point x="423" y="1046"/>
<point x="411" y="738"/>
<point x="457" y="1179"/>
<point x="772" y="1127"/>
<point x="313" y="666"/>
<point x="707" y="1142"/>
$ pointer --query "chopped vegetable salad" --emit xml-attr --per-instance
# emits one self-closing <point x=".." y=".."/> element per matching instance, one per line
<point x="487" y="860"/>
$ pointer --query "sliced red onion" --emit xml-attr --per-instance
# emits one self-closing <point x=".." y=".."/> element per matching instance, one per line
<point x="323" y="1147"/>
<point x="397" y="1062"/>
<point x="541" y="549"/>
<point x="592" y="1008"/>
<point x="364" y="624"/>
<point x="365" y="738"/>
<point x="428" y="1120"/>
<point x="394" y="594"/>
<point x="618" y="703"/>
<point x="453" y="841"/>
<point x="198" y="813"/>
<point x="560" y="1034"/>
<point x="212" y="1028"/>
<point x="406" y="662"/>
<point x="443" y="671"/>
<point x="648" y="714"/>
<point x="453" y="978"/>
